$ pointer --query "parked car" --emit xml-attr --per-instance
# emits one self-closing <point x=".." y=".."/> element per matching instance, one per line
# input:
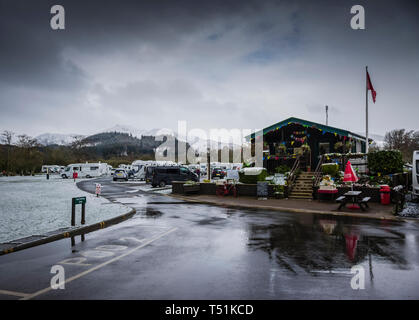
<point x="120" y="174"/>
<point x="218" y="173"/>
<point x="161" y="176"/>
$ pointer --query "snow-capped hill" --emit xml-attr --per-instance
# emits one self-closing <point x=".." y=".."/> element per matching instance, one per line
<point x="47" y="139"/>
<point x="138" y="132"/>
<point x="378" y="139"/>
<point x="196" y="142"/>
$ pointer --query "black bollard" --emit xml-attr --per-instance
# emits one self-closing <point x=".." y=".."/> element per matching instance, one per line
<point x="73" y="212"/>
<point x="83" y="213"/>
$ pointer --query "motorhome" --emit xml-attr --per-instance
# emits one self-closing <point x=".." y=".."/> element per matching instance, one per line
<point x="50" y="169"/>
<point x="415" y="174"/>
<point x="126" y="167"/>
<point x="85" y="170"/>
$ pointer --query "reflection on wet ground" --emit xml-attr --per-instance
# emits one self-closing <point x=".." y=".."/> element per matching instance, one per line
<point x="319" y="243"/>
<point x="230" y="253"/>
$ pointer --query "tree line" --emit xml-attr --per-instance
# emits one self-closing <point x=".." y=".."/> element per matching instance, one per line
<point x="24" y="155"/>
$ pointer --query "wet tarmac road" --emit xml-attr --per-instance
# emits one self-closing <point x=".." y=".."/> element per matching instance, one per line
<point x="176" y="250"/>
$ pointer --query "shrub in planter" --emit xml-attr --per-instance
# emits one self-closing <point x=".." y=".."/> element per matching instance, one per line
<point x="385" y="162"/>
<point x="279" y="191"/>
<point x="282" y="169"/>
<point x="253" y="179"/>
<point x="331" y="169"/>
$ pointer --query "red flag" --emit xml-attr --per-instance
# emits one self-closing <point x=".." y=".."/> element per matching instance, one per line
<point x="370" y="87"/>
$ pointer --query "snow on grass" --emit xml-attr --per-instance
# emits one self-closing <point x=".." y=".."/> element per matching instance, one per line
<point x="34" y="205"/>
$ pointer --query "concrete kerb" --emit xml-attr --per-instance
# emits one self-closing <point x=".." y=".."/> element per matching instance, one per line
<point x="293" y="210"/>
<point x="70" y="233"/>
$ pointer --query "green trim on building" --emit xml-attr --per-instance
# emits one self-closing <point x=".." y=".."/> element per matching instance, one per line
<point x="307" y="123"/>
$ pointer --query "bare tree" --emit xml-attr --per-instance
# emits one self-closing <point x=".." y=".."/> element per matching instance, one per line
<point x="7" y="137"/>
<point x="405" y="141"/>
<point x="27" y="142"/>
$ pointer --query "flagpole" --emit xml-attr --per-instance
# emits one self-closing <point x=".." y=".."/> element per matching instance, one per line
<point x="366" y="109"/>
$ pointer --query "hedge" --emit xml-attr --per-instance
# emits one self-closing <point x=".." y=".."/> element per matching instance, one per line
<point x="331" y="169"/>
<point x="253" y="179"/>
<point x="385" y="162"/>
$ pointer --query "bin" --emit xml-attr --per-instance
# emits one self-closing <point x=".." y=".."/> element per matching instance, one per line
<point x="385" y="194"/>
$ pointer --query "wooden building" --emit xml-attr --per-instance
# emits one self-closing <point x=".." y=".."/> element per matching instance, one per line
<point x="293" y="137"/>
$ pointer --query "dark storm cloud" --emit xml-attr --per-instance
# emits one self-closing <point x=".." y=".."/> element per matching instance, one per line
<point x="150" y="63"/>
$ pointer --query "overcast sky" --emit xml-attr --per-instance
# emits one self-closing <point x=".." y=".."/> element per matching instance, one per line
<point x="215" y="64"/>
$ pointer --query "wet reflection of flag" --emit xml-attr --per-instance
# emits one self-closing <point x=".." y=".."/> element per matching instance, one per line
<point x="351" y="242"/>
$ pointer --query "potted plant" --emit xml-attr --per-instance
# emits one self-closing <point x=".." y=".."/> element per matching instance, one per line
<point x="279" y="191"/>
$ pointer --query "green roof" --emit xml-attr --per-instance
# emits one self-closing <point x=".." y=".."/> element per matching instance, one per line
<point x="307" y="123"/>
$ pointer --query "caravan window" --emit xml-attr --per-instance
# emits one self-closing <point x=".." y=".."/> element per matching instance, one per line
<point x="75" y="168"/>
<point x="173" y="171"/>
<point x="94" y="168"/>
<point x="417" y="166"/>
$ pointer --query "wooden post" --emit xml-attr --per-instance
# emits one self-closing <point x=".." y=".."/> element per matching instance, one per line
<point x="83" y="213"/>
<point x="208" y="164"/>
<point x="73" y="212"/>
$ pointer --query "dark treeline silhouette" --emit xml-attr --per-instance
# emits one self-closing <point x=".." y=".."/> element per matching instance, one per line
<point x="25" y="155"/>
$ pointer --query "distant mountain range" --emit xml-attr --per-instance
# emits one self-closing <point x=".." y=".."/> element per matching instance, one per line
<point x="378" y="139"/>
<point x="196" y="143"/>
<point x="66" y="139"/>
<point x="47" y="139"/>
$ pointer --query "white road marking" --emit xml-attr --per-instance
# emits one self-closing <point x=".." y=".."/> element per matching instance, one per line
<point x="81" y="274"/>
<point x="331" y="271"/>
<point x="14" y="293"/>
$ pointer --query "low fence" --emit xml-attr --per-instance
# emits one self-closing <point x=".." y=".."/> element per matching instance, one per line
<point x="250" y="190"/>
<point x="209" y="188"/>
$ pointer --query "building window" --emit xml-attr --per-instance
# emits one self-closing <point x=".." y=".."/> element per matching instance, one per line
<point x="324" y="147"/>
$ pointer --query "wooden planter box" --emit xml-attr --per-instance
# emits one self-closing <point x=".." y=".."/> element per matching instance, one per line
<point x="209" y="188"/>
<point x="191" y="188"/>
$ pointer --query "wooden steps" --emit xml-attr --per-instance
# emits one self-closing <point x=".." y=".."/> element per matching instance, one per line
<point x="303" y="186"/>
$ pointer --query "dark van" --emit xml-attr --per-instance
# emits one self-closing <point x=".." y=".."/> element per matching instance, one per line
<point x="161" y="176"/>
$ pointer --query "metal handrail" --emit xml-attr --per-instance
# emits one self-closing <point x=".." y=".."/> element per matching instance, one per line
<point x="317" y="173"/>
<point x="292" y="176"/>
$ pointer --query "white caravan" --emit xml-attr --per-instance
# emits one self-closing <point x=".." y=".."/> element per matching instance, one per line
<point x="50" y="169"/>
<point x="126" y="167"/>
<point x="415" y="173"/>
<point x="85" y="170"/>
